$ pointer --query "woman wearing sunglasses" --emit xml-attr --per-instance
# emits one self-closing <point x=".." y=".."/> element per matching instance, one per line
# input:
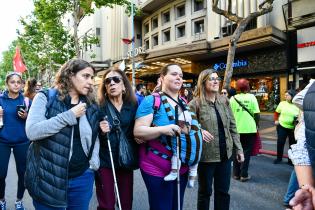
<point x="63" y="125"/>
<point x="13" y="112"/>
<point x="219" y="131"/>
<point x="116" y="95"/>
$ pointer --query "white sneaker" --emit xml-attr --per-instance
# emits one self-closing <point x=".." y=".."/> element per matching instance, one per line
<point x="191" y="182"/>
<point x="19" y="205"/>
<point x="171" y="176"/>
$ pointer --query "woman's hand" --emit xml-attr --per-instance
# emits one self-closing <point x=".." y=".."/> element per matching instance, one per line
<point x="276" y="122"/>
<point x="79" y="110"/>
<point x="171" y="130"/>
<point x="22" y="114"/>
<point x="1" y="112"/>
<point x="304" y="198"/>
<point x="206" y="136"/>
<point x="240" y="157"/>
<point x="104" y="125"/>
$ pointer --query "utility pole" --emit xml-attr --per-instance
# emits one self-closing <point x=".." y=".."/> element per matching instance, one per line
<point x="133" y="45"/>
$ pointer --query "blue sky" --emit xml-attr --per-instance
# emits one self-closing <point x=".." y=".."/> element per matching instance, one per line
<point x="10" y="12"/>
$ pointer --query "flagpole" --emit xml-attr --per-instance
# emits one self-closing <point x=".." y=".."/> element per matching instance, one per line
<point x="133" y="46"/>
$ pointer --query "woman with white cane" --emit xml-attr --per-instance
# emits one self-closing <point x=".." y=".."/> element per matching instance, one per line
<point x="154" y="127"/>
<point x="118" y="102"/>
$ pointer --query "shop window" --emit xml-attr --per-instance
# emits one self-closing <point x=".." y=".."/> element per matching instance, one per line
<point x="147" y="44"/>
<point x="166" y="35"/>
<point x="155" y="40"/>
<point x="155" y="23"/>
<point x="199" y="26"/>
<point x="166" y="17"/>
<point x="180" y="31"/>
<point x="146" y="28"/>
<point x="180" y="11"/>
<point x="198" y="5"/>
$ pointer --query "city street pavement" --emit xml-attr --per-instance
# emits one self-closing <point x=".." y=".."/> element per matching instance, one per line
<point x="263" y="192"/>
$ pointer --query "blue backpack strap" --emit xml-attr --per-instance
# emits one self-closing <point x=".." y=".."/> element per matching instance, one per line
<point x="50" y="94"/>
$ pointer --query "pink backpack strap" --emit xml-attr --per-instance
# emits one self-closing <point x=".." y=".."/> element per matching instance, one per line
<point x="156" y="102"/>
<point x="27" y="102"/>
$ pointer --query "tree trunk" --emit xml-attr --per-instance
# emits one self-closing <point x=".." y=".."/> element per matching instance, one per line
<point x="75" y="15"/>
<point x="231" y="52"/>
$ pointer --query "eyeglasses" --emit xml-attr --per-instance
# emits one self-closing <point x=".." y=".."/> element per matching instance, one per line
<point x="215" y="78"/>
<point x="116" y="79"/>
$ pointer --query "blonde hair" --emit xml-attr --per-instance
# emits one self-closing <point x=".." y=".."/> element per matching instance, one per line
<point x="200" y="92"/>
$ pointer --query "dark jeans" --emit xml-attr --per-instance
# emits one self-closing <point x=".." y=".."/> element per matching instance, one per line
<point x="283" y="133"/>
<point x="247" y="141"/>
<point x="19" y="152"/>
<point x="80" y="191"/>
<point x="163" y="194"/>
<point x="105" y="192"/>
<point x="220" y="174"/>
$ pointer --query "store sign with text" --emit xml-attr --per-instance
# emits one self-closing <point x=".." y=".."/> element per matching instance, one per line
<point x="306" y="44"/>
<point x="238" y="63"/>
<point x="137" y="51"/>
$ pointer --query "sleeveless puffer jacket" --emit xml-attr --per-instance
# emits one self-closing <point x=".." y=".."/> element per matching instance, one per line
<point x="309" y="116"/>
<point x="46" y="176"/>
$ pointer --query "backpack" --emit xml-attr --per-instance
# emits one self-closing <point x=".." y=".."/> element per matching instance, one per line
<point x="190" y="144"/>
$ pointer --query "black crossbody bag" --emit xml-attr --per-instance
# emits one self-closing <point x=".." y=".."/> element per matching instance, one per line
<point x="127" y="150"/>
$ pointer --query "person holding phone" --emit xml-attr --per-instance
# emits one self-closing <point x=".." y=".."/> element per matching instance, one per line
<point x="14" y="112"/>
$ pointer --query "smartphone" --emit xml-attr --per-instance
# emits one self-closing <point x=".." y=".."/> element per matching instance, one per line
<point x="20" y="108"/>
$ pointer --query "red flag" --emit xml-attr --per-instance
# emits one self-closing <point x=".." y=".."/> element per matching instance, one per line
<point x="18" y="63"/>
<point x="128" y="41"/>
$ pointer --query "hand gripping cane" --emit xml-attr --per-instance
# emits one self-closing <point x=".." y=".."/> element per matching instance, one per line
<point x="113" y="167"/>
<point x="177" y="156"/>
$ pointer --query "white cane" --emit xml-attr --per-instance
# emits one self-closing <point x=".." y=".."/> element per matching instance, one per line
<point x="113" y="167"/>
<point x="177" y="156"/>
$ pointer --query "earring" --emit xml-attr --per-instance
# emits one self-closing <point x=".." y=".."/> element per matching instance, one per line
<point x="124" y="92"/>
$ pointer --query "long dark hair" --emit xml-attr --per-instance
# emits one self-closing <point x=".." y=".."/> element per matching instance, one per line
<point x="30" y="88"/>
<point x="128" y="97"/>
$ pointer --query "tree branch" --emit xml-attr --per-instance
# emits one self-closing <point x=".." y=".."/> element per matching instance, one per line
<point x="228" y="14"/>
<point x="262" y="9"/>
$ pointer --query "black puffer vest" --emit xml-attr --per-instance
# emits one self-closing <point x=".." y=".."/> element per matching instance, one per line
<point x="309" y="116"/>
<point x="46" y="176"/>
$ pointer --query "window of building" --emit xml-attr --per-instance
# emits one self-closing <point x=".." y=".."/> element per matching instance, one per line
<point x="198" y="5"/>
<point x="199" y="26"/>
<point x="155" y="40"/>
<point x="146" y="28"/>
<point x="98" y="35"/>
<point x="166" y="35"/>
<point x="166" y="17"/>
<point x="180" y="31"/>
<point x="147" y="44"/>
<point x="155" y="22"/>
<point x="180" y="11"/>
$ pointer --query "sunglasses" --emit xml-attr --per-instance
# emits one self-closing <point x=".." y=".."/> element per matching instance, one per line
<point x="215" y="78"/>
<point x="116" y="79"/>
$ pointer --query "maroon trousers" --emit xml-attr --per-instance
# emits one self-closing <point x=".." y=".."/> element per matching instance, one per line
<point x="105" y="189"/>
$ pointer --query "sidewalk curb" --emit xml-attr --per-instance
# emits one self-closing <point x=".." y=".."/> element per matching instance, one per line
<point x="270" y="152"/>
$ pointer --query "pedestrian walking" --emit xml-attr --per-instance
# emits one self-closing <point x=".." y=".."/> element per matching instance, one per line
<point x="63" y="126"/>
<point x="219" y="131"/>
<point x="154" y="126"/>
<point x="140" y="92"/>
<point x="285" y="117"/>
<point x="118" y="102"/>
<point x="13" y="113"/>
<point x="246" y="112"/>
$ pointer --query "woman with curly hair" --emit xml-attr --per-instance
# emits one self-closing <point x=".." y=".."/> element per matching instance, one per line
<point x="63" y="126"/>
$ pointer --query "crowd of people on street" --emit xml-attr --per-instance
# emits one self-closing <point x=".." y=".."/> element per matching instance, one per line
<point x="68" y="137"/>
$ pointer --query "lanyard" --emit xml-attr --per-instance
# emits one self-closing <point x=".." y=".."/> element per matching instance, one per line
<point x="179" y="102"/>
